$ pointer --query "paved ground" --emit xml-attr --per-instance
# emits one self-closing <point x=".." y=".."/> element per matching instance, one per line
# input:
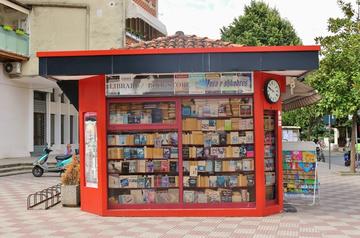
<point x="338" y="216"/>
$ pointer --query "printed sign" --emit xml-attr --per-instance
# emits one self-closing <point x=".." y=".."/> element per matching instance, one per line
<point x="91" y="166"/>
<point x="179" y="84"/>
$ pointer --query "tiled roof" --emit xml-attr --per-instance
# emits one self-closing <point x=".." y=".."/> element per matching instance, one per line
<point x="180" y="40"/>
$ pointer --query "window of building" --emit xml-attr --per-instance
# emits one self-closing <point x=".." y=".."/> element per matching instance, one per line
<point x="62" y="98"/>
<point x="52" y="129"/>
<point x="62" y="129"/>
<point x="71" y="129"/>
<point x="41" y="96"/>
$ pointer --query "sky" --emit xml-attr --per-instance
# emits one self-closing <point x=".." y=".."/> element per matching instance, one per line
<point x="206" y="17"/>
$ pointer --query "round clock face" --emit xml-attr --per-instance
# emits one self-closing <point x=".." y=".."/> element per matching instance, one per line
<point x="272" y="91"/>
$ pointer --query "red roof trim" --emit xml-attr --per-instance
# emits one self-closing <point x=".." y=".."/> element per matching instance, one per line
<point x="244" y="49"/>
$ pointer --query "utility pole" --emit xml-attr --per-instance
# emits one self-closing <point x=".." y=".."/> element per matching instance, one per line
<point x="330" y="141"/>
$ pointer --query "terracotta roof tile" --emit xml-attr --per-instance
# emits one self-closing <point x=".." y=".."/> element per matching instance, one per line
<point x="180" y="40"/>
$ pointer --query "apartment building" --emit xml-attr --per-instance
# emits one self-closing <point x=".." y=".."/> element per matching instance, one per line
<point x="34" y="110"/>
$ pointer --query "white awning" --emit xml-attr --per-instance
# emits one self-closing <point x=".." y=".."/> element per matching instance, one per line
<point x="135" y="11"/>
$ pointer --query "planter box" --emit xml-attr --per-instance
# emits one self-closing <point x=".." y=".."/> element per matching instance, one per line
<point x="70" y="195"/>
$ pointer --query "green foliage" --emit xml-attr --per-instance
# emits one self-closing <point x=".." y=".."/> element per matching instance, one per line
<point x="308" y="118"/>
<point x="338" y="77"/>
<point x="260" y="25"/>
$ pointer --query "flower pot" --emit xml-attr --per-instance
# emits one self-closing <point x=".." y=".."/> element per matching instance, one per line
<point x="70" y="195"/>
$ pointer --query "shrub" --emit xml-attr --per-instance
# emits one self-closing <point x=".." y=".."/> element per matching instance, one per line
<point x="71" y="176"/>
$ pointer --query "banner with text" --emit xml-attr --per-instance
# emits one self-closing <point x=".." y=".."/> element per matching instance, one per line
<point x="179" y="84"/>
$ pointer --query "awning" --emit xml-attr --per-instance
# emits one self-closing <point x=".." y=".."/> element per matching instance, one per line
<point x="298" y="95"/>
<point x="135" y="11"/>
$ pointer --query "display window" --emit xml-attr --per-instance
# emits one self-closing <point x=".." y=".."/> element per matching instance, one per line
<point x="270" y="154"/>
<point x="191" y="151"/>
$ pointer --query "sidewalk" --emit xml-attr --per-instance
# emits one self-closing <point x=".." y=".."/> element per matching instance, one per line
<point x="337" y="216"/>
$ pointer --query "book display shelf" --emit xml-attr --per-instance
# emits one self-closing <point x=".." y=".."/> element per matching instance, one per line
<point x="218" y="150"/>
<point x="188" y="152"/>
<point x="270" y="154"/>
<point x="143" y="158"/>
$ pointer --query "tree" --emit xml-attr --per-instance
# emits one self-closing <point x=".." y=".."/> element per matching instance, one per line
<point x="260" y="25"/>
<point x="308" y="118"/>
<point x="338" y="77"/>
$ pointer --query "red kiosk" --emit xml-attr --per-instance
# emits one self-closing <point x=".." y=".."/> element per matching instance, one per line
<point x="180" y="131"/>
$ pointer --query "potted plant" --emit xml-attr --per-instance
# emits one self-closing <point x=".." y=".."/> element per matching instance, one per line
<point x="70" y="184"/>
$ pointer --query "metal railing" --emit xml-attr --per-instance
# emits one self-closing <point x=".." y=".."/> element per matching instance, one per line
<point x="50" y="196"/>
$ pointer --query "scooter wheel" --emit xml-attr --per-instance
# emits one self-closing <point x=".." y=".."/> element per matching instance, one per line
<point x="37" y="171"/>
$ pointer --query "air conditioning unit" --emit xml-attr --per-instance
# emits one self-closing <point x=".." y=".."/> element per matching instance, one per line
<point x="12" y="68"/>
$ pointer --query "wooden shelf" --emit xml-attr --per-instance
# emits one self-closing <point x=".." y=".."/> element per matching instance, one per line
<point x="219" y="159"/>
<point x="235" y="187"/>
<point x="150" y="146"/>
<point x="219" y="130"/>
<point x="220" y="172"/>
<point x="186" y="145"/>
<point x="216" y="117"/>
<point x="171" y="159"/>
<point x="144" y="188"/>
<point x="147" y="173"/>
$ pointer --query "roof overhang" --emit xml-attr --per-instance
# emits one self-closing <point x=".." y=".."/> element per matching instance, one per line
<point x="294" y="61"/>
<point x="16" y="6"/>
<point x="135" y="11"/>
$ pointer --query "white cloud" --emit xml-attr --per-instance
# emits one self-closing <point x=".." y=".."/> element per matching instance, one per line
<point x="206" y="17"/>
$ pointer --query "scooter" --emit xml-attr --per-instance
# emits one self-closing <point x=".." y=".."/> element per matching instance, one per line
<point x="41" y="165"/>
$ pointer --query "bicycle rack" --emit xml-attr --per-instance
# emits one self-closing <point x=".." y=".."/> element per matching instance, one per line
<point x="50" y="196"/>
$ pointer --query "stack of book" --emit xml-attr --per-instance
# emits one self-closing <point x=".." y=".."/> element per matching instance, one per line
<point x="216" y="196"/>
<point x="147" y="196"/>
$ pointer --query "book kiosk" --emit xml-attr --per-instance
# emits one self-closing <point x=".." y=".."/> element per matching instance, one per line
<point x="180" y="132"/>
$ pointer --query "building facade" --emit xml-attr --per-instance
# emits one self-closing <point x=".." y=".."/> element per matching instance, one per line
<point x="35" y="110"/>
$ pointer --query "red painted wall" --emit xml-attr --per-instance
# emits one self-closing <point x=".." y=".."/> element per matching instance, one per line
<point x="92" y="99"/>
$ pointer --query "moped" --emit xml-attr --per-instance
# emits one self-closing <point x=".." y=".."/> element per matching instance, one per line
<point x="41" y="166"/>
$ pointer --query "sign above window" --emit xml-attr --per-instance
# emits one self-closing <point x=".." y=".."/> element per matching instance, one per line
<point x="233" y="83"/>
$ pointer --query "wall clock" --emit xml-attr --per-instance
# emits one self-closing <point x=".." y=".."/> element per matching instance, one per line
<point x="272" y="91"/>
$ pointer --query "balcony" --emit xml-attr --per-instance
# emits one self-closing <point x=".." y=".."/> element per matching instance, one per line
<point x="14" y="42"/>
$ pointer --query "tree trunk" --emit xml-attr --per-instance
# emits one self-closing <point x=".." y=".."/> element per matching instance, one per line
<point x="353" y="143"/>
<point x="309" y="133"/>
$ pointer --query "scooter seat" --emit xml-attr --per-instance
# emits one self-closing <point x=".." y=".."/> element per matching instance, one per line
<point x="62" y="157"/>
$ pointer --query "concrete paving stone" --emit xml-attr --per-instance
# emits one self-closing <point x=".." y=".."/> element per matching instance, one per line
<point x="335" y="216"/>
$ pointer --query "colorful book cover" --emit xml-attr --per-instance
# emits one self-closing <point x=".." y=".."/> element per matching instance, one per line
<point x="140" y="153"/>
<point x="217" y="166"/>
<point x="215" y="139"/>
<point x="189" y="196"/>
<point x="212" y="125"/>
<point x="205" y="125"/>
<point x="132" y="166"/>
<point x="201" y="197"/>
<point x="221" y="152"/>
<point x="212" y="181"/>
<point x="150" y="166"/>
<point x="166" y="153"/>
<point x="124" y="182"/>
<point x="201" y="166"/>
<point x="227" y="125"/>
<point x="193" y="170"/>
<point x="141" y="182"/>
<point x="199" y="152"/>
<point x="173" y="166"/>
<point x="192" y="182"/>
<point x="165" y="166"/>
<point x="125" y="167"/>
<point x="222" y="138"/>
<point x="233" y="181"/>
<point x="157" y="166"/>
<point x="174" y="153"/>
<point x="127" y="154"/>
<point x="209" y="166"/>
<point x="165" y="181"/>
<point x="150" y="196"/>
<point x="220" y="181"/>
<point x="173" y="138"/>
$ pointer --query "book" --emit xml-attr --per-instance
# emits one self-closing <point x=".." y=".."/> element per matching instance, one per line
<point x="166" y="153"/>
<point x="150" y="166"/>
<point x="209" y="166"/>
<point x="201" y="197"/>
<point x="222" y="138"/>
<point x="165" y="181"/>
<point x="227" y="126"/>
<point x="212" y="181"/>
<point x="149" y="196"/>
<point x="127" y="154"/>
<point x="205" y="125"/>
<point x="164" y="167"/>
<point x="226" y="195"/>
<point x="189" y="196"/>
<point x="114" y="181"/>
<point x="233" y="181"/>
<point x="174" y="152"/>
<point x="193" y="170"/>
<point x="201" y="166"/>
<point x="125" y="167"/>
<point x="199" y="152"/>
<point x="173" y="165"/>
<point x="141" y="182"/>
<point x="157" y="165"/>
<point x="126" y="199"/>
<point x="140" y="153"/>
<point x="234" y="137"/>
<point x="193" y="182"/>
<point x="132" y="166"/>
<point x="217" y="166"/>
<point x="212" y="125"/>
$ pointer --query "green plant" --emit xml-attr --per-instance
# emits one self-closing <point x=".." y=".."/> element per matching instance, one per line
<point x="20" y="32"/>
<point x="71" y="176"/>
<point x="7" y="28"/>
